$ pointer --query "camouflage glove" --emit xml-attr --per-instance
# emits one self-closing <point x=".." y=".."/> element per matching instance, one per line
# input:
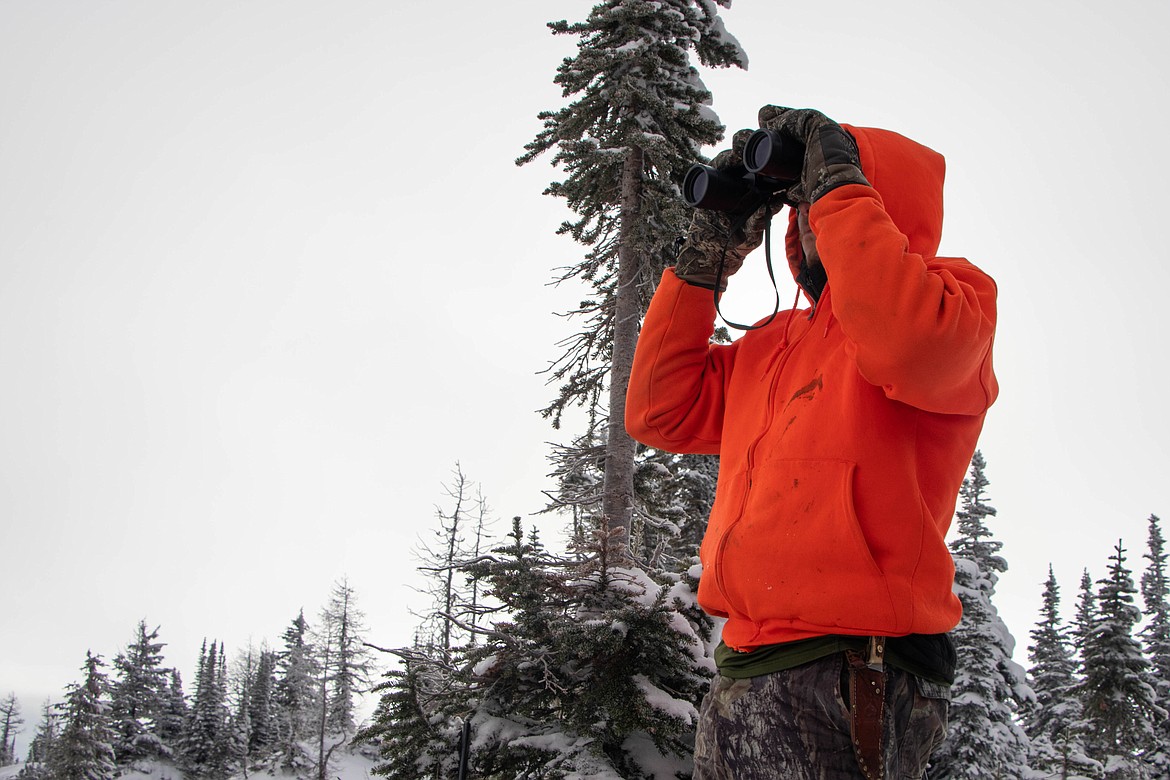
<point x="721" y="236"/>
<point x="831" y="159"/>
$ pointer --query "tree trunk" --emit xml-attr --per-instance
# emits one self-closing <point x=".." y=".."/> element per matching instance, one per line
<point x="322" y="763"/>
<point x="618" y="489"/>
<point x="452" y="545"/>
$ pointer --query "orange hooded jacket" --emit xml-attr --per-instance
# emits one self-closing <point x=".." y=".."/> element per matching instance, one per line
<point x="844" y="431"/>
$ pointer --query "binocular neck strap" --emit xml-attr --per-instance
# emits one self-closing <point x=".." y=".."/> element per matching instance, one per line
<point x="735" y="226"/>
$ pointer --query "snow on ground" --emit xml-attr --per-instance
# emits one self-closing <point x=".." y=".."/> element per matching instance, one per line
<point x="344" y="766"/>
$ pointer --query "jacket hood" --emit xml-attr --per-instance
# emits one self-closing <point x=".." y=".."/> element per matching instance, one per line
<point x="909" y="178"/>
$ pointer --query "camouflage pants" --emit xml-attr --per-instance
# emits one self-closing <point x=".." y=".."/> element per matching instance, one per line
<point x="794" y="725"/>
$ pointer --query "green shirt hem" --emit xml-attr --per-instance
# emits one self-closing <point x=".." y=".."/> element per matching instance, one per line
<point x="789" y="655"/>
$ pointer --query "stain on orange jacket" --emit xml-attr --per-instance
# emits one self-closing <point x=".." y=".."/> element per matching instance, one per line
<point x="844" y="430"/>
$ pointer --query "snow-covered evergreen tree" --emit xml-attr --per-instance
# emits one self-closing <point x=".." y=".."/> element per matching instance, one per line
<point x="1051" y="720"/>
<point x="517" y="716"/>
<point x="985" y="741"/>
<point x="262" y="716"/>
<point x="675" y="494"/>
<point x="172" y="718"/>
<point x="206" y="748"/>
<point x="348" y="664"/>
<point x="1119" y="702"/>
<point x="1156" y="638"/>
<point x="1085" y="618"/>
<point x="243" y="684"/>
<point x="36" y="765"/>
<point x="416" y="725"/>
<point x="10" y="723"/>
<point x="239" y="724"/>
<point x="639" y="119"/>
<point x="296" y="693"/>
<point x="85" y="748"/>
<point x="137" y="698"/>
<point x="592" y="673"/>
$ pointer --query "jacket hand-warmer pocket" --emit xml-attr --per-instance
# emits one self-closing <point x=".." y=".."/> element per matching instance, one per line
<point x="797" y="547"/>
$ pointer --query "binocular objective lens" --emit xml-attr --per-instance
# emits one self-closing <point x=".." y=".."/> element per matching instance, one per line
<point x="695" y="185"/>
<point x="758" y="151"/>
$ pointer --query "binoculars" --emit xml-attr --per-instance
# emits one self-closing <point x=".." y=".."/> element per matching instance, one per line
<point x="771" y="162"/>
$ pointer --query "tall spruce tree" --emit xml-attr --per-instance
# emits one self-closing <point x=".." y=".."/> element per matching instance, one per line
<point x="1119" y="703"/>
<point x="137" y="698"/>
<point x="562" y="681"/>
<point x="639" y="119"/>
<point x="985" y="741"/>
<point x="640" y="116"/>
<point x="1156" y="638"/>
<point x="85" y="748"/>
<point x="1051" y="720"/>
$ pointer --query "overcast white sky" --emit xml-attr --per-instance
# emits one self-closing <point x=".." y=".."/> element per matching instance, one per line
<point x="267" y="272"/>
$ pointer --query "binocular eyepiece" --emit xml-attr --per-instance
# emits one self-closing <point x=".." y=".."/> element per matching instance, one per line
<point x="771" y="162"/>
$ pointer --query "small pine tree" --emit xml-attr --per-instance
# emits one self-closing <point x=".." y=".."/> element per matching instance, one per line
<point x="416" y="725"/>
<point x="1119" y="703"/>
<point x="592" y="672"/>
<point x="1051" y="720"/>
<point x="985" y="741"/>
<point x="1156" y="638"/>
<point x="85" y="748"/>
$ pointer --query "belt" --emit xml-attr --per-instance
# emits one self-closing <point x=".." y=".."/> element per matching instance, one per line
<point x="867" y="697"/>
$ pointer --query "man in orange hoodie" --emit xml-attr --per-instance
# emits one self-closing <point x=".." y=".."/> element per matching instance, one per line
<point x="844" y="431"/>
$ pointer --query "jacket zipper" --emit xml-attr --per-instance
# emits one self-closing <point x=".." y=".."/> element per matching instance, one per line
<point x="751" y="454"/>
